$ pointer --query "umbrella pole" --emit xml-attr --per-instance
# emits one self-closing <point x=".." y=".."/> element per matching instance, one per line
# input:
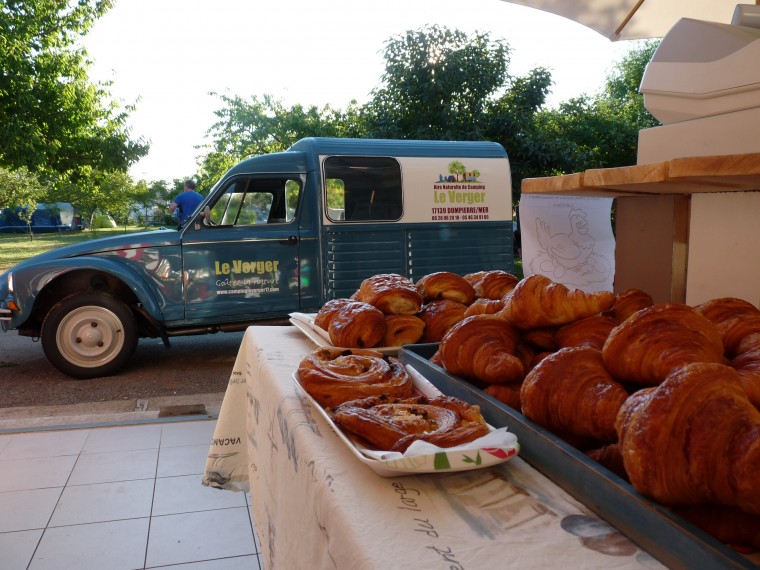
<point x="630" y="15"/>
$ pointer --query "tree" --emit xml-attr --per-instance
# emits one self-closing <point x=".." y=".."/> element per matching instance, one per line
<point x="511" y="121"/>
<point x="108" y="192"/>
<point x="597" y="131"/>
<point x="54" y="120"/>
<point x="20" y="188"/>
<point x="249" y="127"/>
<point x="442" y="84"/>
<point x="437" y="84"/>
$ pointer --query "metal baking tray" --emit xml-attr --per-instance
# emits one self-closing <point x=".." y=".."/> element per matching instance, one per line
<point x="667" y="537"/>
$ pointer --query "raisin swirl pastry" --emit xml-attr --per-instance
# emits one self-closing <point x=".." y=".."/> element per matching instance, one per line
<point x="357" y="325"/>
<point x="393" y="424"/>
<point x="336" y="375"/>
<point x="393" y="294"/>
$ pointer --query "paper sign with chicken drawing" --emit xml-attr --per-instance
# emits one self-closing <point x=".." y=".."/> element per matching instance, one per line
<point x="569" y="240"/>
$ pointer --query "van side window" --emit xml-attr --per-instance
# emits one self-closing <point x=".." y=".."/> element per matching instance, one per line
<point x="363" y="188"/>
<point x="252" y="201"/>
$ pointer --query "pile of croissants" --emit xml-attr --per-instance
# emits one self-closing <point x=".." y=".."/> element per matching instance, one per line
<point x="666" y="395"/>
<point x="391" y="310"/>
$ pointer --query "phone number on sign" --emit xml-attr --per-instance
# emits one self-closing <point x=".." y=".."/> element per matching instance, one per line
<point x="462" y="218"/>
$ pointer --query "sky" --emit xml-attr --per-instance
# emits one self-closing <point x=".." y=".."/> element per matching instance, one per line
<point x="166" y="56"/>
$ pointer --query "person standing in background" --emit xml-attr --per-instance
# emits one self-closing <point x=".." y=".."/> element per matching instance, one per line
<point x="186" y="201"/>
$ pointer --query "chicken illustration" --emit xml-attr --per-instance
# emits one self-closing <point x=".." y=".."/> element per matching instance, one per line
<point x="568" y="251"/>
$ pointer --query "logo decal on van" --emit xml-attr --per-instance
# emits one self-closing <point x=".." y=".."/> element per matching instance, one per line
<point x="462" y="193"/>
<point x="247" y="277"/>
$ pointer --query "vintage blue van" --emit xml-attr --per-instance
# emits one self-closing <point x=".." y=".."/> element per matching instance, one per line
<point x="278" y="233"/>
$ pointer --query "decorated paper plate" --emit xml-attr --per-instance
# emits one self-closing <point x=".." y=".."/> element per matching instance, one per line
<point x="422" y="457"/>
<point x="319" y="336"/>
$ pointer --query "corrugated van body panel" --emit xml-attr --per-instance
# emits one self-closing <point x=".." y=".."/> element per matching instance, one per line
<point x="460" y="249"/>
<point x="354" y="253"/>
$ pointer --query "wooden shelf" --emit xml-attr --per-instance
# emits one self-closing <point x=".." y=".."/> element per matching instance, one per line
<point x="690" y="175"/>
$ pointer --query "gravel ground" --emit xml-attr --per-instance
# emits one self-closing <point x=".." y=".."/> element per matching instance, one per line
<point x="193" y="365"/>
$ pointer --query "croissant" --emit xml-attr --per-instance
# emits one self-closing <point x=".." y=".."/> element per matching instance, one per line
<point x="609" y="457"/>
<point x="336" y="375"/>
<point x="570" y="391"/>
<point x="393" y="294"/>
<point x="591" y="331"/>
<point x="734" y="318"/>
<point x="492" y="284"/>
<point x="727" y="524"/>
<point x="646" y="347"/>
<point x="394" y="424"/>
<point x="482" y="347"/>
<point x="629" y="302"/>
<point x="446" y="285"/>
<point x="538" y="302"/>
<point x="440" y="316"/>
<point x="543" y="338"/>
<point x="328" y="310"/>
<point x="484" y="307"/>
<point x="508" y="394"/>
<point x="402" y="329"/>
<point x="747" y="364"/>
<point x="693" y="439"/>
<point x="357" y="325"/>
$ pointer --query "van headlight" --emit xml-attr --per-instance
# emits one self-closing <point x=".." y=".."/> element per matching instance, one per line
<point x="10" y="282"/>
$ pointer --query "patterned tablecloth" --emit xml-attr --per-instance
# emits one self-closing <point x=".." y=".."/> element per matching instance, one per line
<point x="316" y="506"/>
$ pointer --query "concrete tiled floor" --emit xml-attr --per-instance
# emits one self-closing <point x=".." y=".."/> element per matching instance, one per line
<point x="123" y="497"/>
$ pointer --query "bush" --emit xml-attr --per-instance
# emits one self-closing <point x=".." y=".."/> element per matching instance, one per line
<point x="102" y="221"/>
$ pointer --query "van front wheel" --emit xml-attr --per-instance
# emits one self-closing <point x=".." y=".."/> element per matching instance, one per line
<point x="89" y="335"/>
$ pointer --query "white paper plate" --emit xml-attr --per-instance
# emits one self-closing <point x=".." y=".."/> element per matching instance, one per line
<point x="319" y="336"/>
<point x="421" y="457"/>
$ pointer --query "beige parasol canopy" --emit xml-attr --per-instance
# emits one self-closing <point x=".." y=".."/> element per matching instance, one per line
<point x="636" y="19"/>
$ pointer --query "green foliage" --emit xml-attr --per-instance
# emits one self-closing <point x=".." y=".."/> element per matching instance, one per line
<point x="442" y="84"/>
<point x="54" y="120"/>
<point x="20" y="188"/>
<point x="511" y="121"/>
<point x="599" y="131"/>
<point x="250" y="127"/>
<point x="437" y="84"/>
<point x="111" y="192"/>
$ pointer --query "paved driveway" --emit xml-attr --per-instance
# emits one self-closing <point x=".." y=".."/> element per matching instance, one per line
<point x="193" y="365"/>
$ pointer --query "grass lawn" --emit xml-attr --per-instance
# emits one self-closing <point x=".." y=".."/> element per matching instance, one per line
<point x="18" y="247"/>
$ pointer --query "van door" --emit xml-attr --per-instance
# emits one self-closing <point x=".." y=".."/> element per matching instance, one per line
<point x="242" y="262"/>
